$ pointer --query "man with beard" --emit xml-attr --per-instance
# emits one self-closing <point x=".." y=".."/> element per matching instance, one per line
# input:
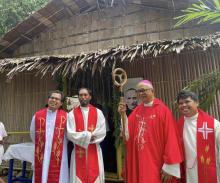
<point x="130" y="100"/>
<point x="153" y="152"/>
<point x="86" y="129"/>
<point x="47" y="131"/>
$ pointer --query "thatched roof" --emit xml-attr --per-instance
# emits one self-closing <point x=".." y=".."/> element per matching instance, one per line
<point x="57" y="10"/>
<point x="68" y="65"/>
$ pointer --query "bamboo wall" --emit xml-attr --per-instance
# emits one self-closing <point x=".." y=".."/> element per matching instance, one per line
<point x="109" y="28"/>
<point x="105" y="29"/>
<point x="120" y="26"/>
<point x="170" y="73"/>
<point x="20" y="98"/>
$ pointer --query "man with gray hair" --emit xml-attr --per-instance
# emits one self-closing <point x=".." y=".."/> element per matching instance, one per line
<point x="153" y="153"/>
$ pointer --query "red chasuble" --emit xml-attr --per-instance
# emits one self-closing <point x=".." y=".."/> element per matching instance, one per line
<point x="87" y="167"/>
<point x="57" y="145"/>
<point x="153" y="141"/>
<point x="205" y="139"/>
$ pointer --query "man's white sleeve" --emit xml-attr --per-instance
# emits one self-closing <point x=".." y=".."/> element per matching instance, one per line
<point x="80" y="138"/>
<point x="100" y="130"/>
<point x="173" y="169"/>
<point x="32" y="129"/>
<point x="217" y="142"/>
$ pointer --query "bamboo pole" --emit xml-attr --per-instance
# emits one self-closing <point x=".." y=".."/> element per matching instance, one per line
<point x="18" y="133"/>
<point x="119" y="77"/>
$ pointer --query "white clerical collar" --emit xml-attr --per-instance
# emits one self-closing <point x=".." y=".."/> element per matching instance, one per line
<point x="149" y="104"/>
<point x="192" y="117"/>
<point x="84" y="108"/>
<point x="50" y="111"/>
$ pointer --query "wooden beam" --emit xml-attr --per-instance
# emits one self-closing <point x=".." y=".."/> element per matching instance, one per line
<point x="91" y="2"/>
<point x="72" y="6"/>
<point x="4" y="42"/>
<point x="28" y="31"/>
<point x="26" y="37"/>
<point x="137" y="1"/>
<point x="42" y="19"/>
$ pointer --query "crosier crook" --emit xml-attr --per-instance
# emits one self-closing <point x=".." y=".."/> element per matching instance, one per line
<point x="120" y="78"/>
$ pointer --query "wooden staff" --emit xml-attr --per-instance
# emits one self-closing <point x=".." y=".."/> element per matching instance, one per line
<point x="120" y="78"/>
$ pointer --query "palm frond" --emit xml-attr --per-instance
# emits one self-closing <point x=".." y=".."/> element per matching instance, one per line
<point x="217" y="4"/>
<point x="206" y="87"/>
<point x="202" y="12"/>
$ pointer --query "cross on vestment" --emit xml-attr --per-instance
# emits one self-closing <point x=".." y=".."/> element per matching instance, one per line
<point x="56" y="149"/>
<point x="40" y="142"/>
<point x="42" y="120"/>
<point x="40" y="132"/>
<point x="91" y="128"/>
<point x="63" y="119"/>
<point x="142" y="123"/>
<point x="205" y="130"/>
<point x="141" y="126"/>
<point x="80" y="152"/>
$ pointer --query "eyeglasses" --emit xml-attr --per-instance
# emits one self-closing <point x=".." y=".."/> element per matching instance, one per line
<point x="143" y="90"/>
<point x="54" y="98"/>
<point x="83" y="94"/>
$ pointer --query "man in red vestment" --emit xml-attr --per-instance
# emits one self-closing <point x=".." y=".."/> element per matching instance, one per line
<point x="153" y="152"/>
<point x="86" y="129"/>
<point x="200" y="135"/>
<point x="47" y="131"/>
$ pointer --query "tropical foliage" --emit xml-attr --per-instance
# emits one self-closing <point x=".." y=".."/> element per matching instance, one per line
<point x="15" y="11"/>
<point x="209" y="84"/>
<point x="202" y="11"/>
<point x="206" y="86"/>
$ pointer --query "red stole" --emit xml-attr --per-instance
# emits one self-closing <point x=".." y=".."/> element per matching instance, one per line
<point x="87" y="168"/>
<point x="57" y="145"/>
<point x="206" y="157"/>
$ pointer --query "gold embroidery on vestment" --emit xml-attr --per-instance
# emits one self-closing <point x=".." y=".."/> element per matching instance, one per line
<point x="40" y="146"/>
<point x="80" y="152"/>
<point x="59" y="140"/>
<point x="205" y="161"/>
<point x="91" y="128"/>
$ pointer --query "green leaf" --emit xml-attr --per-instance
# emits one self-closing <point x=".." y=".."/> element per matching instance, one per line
<point x="206" y="86"/>
<point x="198" y="7"/>
<point x="216" y="21"/>
<point x="15" y="11"/>
<point x="200" y="11"/>
<point x="217" y="4"/>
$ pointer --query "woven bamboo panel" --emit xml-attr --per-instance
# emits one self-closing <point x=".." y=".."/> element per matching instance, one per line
<point x="20" y="98"/>
<point x="171" y="73"/>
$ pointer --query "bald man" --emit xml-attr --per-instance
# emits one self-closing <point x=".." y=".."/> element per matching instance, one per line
<point x="153" y="152"/>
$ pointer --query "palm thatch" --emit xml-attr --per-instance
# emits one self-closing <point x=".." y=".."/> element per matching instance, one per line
<point x="68" y="65"/>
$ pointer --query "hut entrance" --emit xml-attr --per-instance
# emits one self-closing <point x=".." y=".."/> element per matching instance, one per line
<point x="104" y="98"/>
